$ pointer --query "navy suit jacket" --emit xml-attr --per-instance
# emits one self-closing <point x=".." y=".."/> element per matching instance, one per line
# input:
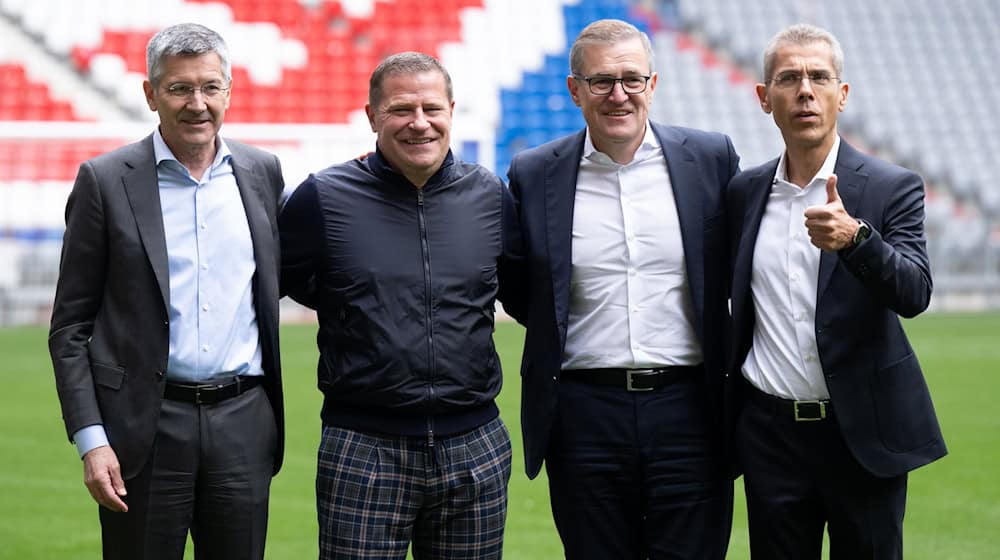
<point x="880" y="399"/>
<point x="543" y="181"/>
<point x="109" y="336"/>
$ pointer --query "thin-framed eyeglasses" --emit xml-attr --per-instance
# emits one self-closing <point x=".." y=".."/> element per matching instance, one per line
<point x="604" y="85"/>
<point x="186" y="91"/>
<point x="786" y="80"/>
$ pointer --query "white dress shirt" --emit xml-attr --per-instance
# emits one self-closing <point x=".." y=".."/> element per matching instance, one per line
<point x="784" y="360"/>
<point x="630" y="305"/>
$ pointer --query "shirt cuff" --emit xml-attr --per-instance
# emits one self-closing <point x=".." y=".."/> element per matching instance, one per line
<point x="90" y="438"/>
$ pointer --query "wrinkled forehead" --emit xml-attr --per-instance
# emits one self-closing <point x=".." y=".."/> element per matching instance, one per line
<point x="812" y="56"/>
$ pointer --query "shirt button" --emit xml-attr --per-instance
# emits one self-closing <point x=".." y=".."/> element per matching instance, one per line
<point x="795" y="277"/>
<point x="204" y="307"/>
<point x="204" y="348"/>
<point x="631" y="272"/>
<point x="204" y="225"/>
<point x="204" y="266"/>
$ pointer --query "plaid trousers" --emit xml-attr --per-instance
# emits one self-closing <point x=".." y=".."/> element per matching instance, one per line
<point x="377" y="493"/>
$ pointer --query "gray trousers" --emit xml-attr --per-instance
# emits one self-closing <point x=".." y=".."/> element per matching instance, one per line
<point x="210" y="474"/>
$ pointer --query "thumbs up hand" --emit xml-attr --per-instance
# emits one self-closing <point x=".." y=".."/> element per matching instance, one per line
<point x="830" y="227"/>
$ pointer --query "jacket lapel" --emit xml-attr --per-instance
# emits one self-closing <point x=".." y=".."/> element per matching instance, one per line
<point x="686" y="182"/>
<point x="143" y="192"/>
<point x="560" y="192"/>
<point x="756" y="203"/>
<point x="850" y="184"/>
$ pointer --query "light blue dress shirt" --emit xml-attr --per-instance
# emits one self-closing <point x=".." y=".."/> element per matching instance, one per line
<point x="213" y="324"/>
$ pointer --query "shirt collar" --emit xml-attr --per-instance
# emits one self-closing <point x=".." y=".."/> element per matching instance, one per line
<point x="649" y="146"/>
<point x="163" y="153"/>
<point x="824" y="171"/>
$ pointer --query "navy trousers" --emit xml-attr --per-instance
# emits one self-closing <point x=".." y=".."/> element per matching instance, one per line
<point x="635" y="475"/>
<point x="800" y="478"/>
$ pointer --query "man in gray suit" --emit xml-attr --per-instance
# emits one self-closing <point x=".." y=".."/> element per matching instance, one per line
<point x="164" y="335"/>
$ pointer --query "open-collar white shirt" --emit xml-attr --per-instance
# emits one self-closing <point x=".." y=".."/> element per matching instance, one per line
<point x="784" y="359"/>
<point x="630" y="305"/>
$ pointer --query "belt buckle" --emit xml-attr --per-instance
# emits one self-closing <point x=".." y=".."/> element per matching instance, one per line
<point x="803" y="417"/>
<point x="630" y="373"/>
<point x="207" y="391"/>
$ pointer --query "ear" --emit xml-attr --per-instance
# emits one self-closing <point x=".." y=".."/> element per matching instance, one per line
<point x="761" y="90"/>
<point x="149" y="92"/>
<point x="842" y="100"/>
<point x="451" y="108"/>
<point x="574" y="89"/>
<point x="371" y="115"/>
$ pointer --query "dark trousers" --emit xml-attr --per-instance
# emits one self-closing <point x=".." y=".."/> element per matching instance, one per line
<point x="800" y="477"/>
<point x="637" y="474"/>
<point x="210" y="473"/>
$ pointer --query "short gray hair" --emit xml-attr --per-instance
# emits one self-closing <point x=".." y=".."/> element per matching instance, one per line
<point x="606" y="32"/>
<point x="405" y="63"/>
<point x="803" y="34"/>
<point x="185" y="39"/>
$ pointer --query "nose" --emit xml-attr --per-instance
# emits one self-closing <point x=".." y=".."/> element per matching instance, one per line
<point x="618" y="92"/>
<point x="196" y="101"/>
<point x="419" y="121"/>
<point x="806" y="87"/>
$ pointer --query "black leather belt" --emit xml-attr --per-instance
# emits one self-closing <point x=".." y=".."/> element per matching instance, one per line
<point x="210" y="393"/>
<point x="632" y="379"/>
<point x="799" y="411"/>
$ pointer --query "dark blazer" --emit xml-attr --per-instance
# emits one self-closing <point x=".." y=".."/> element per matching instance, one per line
<point x="109" y="333"/>
<point x="878" y="392"/>
<point x="543" y="181"/>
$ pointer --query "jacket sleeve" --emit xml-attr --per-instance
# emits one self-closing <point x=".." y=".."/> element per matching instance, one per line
<point x="300" y="227"/>
<point x="79" y="293"/>
<point x="512" y="272"/>
<point x="893" y="261"/>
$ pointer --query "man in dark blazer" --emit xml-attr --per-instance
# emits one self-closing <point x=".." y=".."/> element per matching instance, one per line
<point x="625" y="308"/>
<point x="164" y="334"/>
<point x="829" y="249"/>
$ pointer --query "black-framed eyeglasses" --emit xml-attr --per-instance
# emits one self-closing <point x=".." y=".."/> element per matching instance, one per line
<point x="787" y="80"/>
<point x="186" y="91"/>
<point x="604" y="85"/>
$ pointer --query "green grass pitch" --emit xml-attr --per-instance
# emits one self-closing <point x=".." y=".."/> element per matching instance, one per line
<point x="953" y="507"/>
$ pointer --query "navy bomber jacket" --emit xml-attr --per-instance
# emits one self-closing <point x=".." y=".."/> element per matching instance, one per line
<point x="404" y="282"/>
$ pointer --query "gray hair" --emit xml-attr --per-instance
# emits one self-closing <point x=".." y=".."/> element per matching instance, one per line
<point x="185" y="39"/>
<point x="803" y="34"/>
<point x="604" y="32"/>
<point x="405" y="63"/>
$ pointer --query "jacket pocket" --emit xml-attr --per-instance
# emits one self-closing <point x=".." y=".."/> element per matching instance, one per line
<point x="903" y="407"/>
<point x="108" y="376"/>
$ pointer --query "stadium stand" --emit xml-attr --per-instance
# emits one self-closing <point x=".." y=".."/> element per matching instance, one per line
<point x="922" y="93"/>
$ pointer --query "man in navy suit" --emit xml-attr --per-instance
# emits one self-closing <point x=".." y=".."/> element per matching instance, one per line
<point x="828" y="250"/>
<point x="625" y="309"/>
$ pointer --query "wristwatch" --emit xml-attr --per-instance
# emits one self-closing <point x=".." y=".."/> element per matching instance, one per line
<point x="863" y="232"/>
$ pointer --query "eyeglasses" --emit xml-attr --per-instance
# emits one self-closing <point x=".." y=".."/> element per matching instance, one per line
<point x="186" y="91"/>
<point x="787" y="80"/>
<point x="604" y="85"/>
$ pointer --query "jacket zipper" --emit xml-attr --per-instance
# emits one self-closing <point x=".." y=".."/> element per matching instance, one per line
<point x="425" y="250"/>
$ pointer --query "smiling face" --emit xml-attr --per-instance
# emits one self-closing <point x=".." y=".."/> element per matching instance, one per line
<point x="412" y="122"/>
<point x="805" y="112"/>
<point x="189" y="124"/>
<point x="617" y="122"/>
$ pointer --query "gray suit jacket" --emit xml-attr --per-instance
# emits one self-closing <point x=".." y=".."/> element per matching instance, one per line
<point x="109" y="332"/>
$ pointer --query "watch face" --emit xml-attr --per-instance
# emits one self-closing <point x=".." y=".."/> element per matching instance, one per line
<point x="863" y="232"/>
